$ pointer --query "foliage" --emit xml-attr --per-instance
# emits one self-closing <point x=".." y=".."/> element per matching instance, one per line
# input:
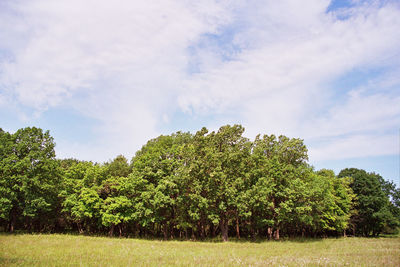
<point x="29" y="178"/>
<point x="374" y="209"/>
<point x="184" y="185"/>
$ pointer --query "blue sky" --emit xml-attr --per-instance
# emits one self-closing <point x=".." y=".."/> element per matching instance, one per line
<point x="105" y="77"/>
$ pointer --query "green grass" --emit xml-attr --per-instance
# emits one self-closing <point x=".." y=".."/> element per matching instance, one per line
<point x="71" y="250"/>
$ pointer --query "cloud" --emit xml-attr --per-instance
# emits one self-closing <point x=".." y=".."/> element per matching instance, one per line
<point x="355" y="146"/>
<point x="119" y="63"/>
<point x="270" y="65"/>
<point x="282" y="81"/>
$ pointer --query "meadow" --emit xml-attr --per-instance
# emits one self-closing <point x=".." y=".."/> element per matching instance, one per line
<point x="73" y="250"/>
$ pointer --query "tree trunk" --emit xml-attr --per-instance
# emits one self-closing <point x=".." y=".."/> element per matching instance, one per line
<point x="165" y="231"/>
<point x="199" y="229"/>
<point x="12" y="220"/>
<point x="224" y="229"/>
<point x="214" y="230"/>
<point x="111" y="232"/>
<point x="172" y="232"/>
<point x="237" y="227"/>
<point x="202" y="230"/>
<point x="276" y="235"/>
<point x="193" y="235"/>
<point x="269" y="230"/>
<point x="39" y="226"/>
<point x="80" y="229"/>
<point x="11" y="226"/>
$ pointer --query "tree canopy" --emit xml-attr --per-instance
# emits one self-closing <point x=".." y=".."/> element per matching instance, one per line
<point x="187" y="185"/>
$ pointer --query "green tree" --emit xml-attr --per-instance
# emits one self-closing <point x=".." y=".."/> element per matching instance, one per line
<point x="218" y="159"/>
<point x="393" y="194"/>
<point x="81" y="200"/>
<point x="331" y="198"/>
<point x="116" y="209"/>
<point x="194" y="200"/>
<point x="8" y="196"/>
<point x="282" y="161"/>
<point x="156" y="167"/>
<point x="119" y="167"/>
<point x="32" y="176"/>
<point x="372" y="204"/>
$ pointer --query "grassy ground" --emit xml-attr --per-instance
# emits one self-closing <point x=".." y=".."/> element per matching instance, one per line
<point x="70" y="250"/>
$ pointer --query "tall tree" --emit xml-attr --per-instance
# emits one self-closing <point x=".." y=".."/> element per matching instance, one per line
<point x="32" y="176"/>
<point x="224" y="152"/>
<point x="157" y="163"/>
<point x="283" y="161"/>
<point x="8" y="196"/>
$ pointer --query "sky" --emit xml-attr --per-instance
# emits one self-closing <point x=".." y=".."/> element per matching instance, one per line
<point x="104" y="77"/>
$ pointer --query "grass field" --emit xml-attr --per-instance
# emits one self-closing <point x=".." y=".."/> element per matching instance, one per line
<point x="70" y="250"/>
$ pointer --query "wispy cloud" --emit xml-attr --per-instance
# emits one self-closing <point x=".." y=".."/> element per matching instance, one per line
<point x="118" y="62"/>
<point x="282" y="80"/>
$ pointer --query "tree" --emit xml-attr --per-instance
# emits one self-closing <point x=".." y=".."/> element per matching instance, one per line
<point x="194" y="200"/>
<point x="116" y="209"/>
<point x="30" y="178"/>
<point x="156" y="166"/>
<point x="207" y="184"/>
<point x="393" y="194"/>
<point x="8" y="196"/>
<point x="283" y="164"/>
<point x="372" y="204"/>
<point x="231" y="150"/>
<point x="333" y="201"/>
<point x="217" y="162"/>
<point x="119" y="167"/>
<point x="81" y="200"/>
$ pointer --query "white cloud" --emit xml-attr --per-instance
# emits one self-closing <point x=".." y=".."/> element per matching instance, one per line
<point x="282" y="82"/>
<point x="267" y="64"/>
<point x="356" y="146"/>
<point x="359" y="113"/>
<point x="119" y="62"/>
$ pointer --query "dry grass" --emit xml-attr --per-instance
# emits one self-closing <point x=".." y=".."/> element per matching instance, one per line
<point x="70" y="250"/>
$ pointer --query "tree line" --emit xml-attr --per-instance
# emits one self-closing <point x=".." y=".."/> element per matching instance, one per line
<point x="190" y="186"/>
